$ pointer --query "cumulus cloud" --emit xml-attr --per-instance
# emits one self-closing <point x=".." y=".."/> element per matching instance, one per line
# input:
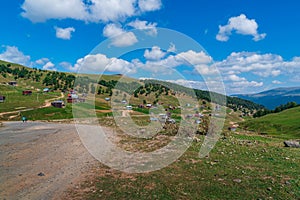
<point x="190" y="83"/>
<point x="258" y="67"/>
<point x="42" y="61"/>
<point x="64" y="33"/>
<point x="42" y="10"/>
<point x="263" y="65"/>
<point x="91" y="10"/>
<point x="12" y="54"/>
<point x="149" y="5"/>
<point x="119" y="37"/>
<point x="241" y="25"/>
<point x="172" y="48"/>
<point x="194" y="58"/>
<point x="99" y="63"/>
<point x="49" y="66"/>
<point x="276" y="82"/>
<point x="154" y="54"/>
<point x="150" y="28"/>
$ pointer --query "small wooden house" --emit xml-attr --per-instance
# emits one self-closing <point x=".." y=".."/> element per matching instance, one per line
<point x="46" y="90"/>
<point x="27" y="92"/>
<point x="12" y="83"/>
<point x="2" y="99"/>
<point x="58" y="104"/>
<point x="232" y="128"/>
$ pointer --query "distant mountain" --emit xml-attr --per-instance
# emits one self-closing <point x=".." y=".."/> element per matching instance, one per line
<point x="275" y="97"/>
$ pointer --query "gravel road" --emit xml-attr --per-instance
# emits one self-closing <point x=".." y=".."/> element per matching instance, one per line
<point x="40" y="160"/>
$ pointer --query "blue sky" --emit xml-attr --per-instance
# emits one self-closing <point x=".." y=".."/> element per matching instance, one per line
<point x="254" y="44"/>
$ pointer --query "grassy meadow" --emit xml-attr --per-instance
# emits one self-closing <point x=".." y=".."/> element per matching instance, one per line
<point x="239" y="167"/>
<point x="285" y="124"/>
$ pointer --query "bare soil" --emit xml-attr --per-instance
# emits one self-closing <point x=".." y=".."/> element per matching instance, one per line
<point x="41" y="160"/>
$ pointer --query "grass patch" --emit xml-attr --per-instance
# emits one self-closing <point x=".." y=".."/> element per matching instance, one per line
<point x="233" y="170"/>
<point x="282" y="125"/>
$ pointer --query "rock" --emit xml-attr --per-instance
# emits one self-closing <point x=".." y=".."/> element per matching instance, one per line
<point x="237" y="180"/>
<point x="41" y="174"/>
<point x="294" y="144"/>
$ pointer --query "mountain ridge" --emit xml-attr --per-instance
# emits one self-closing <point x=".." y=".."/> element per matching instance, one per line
<point x="274" y="97"/>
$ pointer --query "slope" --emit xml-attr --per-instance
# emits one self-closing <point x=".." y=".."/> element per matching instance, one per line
<point x="284" y="124"/>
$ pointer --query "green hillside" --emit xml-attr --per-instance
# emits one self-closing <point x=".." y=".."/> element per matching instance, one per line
<point x="284" y="124"/>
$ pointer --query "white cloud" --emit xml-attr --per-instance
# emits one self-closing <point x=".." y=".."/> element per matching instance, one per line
<point x="64" y="33"/>
<point x="241" y="25"/>
<point x="194" y="58"/>
<point x="99" y="63"/>
<point x="42" y="10"/>
<point x="276" y="82"/>
<point x="42" y="61"/>
<point x="263" y="65"/>
<point x="49" y="66"/>
<point x="204" y="69"/>
<point x="150" y="28"/>
<point x="87" y="10"/>
<point x="12" y="54"/>
<point x="119" y="37"/>
<point x="113" y="10"/>
<point x="155" y="54"/>
<point x="237" y="84"/>
<point x="190" y="83"/>
<point x="235" y="78"/>
<point x="149" y="5"/>
<point x="172" y="48"/>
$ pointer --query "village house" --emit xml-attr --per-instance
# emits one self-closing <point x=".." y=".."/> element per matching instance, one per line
<point x="2" y="99"/>
<point x="74" y="98"/>
<point x="46" y="90"/>
<point x="232" y="128"/>
<point x="12" y="83"/>
<point x="58" y="104"/>
<point x="27" y="92"/>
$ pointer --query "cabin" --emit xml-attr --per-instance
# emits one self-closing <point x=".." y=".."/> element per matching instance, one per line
<point x="198" y="121"/>
<point x="46" y="90"/>
<point x="27" y="92"/>
<point x="12" y="83"/>
<point x="232" y="128"/>
<point x="154" y="119"/>
<point x="149" y="105"/>
<point x="107" y="99"/>
<point x="74" y="98"/>
<point x="141" y="106"/>
<point x="129" y="107"/>
<point x="2" y="99"/>
<point x="58" y="104"/>
<point x="171" y="121"/>
<point x="70" y="100"/>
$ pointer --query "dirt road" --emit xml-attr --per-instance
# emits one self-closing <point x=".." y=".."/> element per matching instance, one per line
<point x="40" y="160"/>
